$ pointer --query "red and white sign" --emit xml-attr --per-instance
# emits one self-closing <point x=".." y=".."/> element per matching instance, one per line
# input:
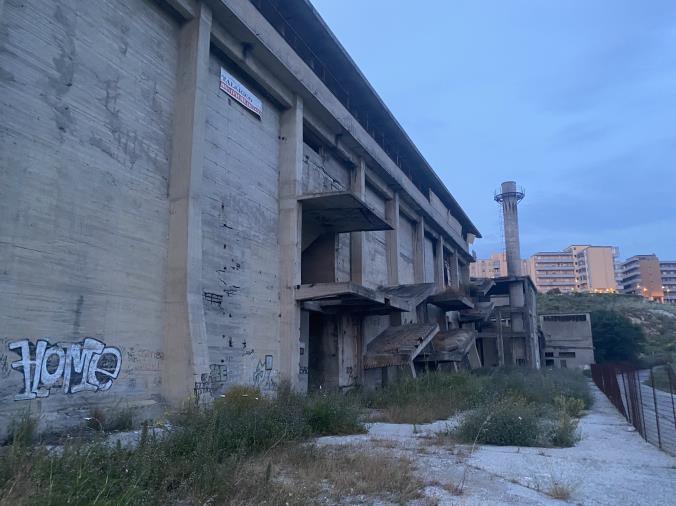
<point x="238" y="91"/>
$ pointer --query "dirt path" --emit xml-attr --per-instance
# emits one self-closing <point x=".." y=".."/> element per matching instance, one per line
<point x="611" y="465"/>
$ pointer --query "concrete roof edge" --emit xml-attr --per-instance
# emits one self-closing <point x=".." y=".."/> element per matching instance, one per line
<point x="445" y="192"/>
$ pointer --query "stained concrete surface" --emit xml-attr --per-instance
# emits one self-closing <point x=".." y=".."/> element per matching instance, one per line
<point x="611" y="464"/>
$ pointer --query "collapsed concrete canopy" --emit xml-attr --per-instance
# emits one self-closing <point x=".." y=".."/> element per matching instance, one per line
<point x="399" y="345"/>
<point x="481" y="312"/>
<point x="452" y="299"/>
<point x="449" y="345"/>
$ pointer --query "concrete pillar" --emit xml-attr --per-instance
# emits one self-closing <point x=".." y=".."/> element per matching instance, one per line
<point x="290" y="237"/>
<point x="509" y="198"/>
<point x="454" y="270"/>
<point x="439" y="267"/>
<point x="463" y="272"/>
<point x="358" y="186"/>
<point x="392" y="239"/>
<point x="419" y="251"/>
<point x="500" y="341"/>
<point x="185" y="337"/>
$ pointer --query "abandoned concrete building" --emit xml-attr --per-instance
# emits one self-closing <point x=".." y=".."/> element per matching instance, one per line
<point x="568" y="340"/>
<point x="197" y="194"/>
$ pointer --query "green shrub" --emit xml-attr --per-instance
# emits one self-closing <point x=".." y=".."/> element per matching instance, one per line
<point x="333" y="413"/>
<point x="120" y="420"/>
<point x="510" y="421"/>
<point x="564" y="433"/>
<point x="22" y="431"/>
<point x="571" y="406"/>
<point x="616" y="338"/>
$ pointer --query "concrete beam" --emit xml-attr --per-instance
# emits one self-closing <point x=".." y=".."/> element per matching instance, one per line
<point x="186" y="9"/>
<point x="392" y="239"/>
<point x="290" y="238"/>
<point x="378" y="184"/>
<point x="185" y="339"/>
<point x="357" y="245"/>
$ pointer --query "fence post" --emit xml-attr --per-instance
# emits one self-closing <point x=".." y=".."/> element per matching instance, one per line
<point x="657" y="415"/>
<point x="629" y="415"/>
<point x="636" y="380"/>
<point x="671" y="391"/>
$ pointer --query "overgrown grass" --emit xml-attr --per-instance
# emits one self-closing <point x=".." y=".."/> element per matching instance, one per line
<point x="522" y="407"/>
<point x="199" y="461"/>
<point x="430" y="397"/>
<point x="22" y="432"/>
<point x="436" y="395"/>
<point x="244" y="449"/>
<point x="529" y="408"/>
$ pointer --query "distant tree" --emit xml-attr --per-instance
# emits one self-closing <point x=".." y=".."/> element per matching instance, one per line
<point x="616" y="338"/>
<point x="554" y="291"/>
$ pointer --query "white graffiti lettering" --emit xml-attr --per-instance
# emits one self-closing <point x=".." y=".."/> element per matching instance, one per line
<point x="78" y="367"/>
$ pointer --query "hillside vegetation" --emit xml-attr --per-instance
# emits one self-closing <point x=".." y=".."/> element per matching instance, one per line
<point x="658" y="321"/>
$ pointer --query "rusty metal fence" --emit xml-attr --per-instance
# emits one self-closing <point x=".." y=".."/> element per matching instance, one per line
<point x="645" y="397"/>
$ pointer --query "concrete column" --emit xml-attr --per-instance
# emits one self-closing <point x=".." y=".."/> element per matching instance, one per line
<point x="392" y="239"/>
<point x="419" y="251"/>
<point x="185" y="338"/>
<point x="358" y="186"/>
<point x="454" y="270"/>
<point x="500" y="341"/>
<point x="463" y="272"/>
<point x="290" y="236"/>
<point x="439" y="267"/>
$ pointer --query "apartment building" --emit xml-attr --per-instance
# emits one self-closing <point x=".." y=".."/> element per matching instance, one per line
<point x="494" y="267"/>
<point x="553" y="270"/>
<point x="595" y="268"/>
<point x="668" y="273"/>
<point x="642" y="275"/>
<point x="578" y="268"/>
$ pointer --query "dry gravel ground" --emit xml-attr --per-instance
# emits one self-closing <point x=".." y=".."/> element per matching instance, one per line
<point x="611" y="465"/>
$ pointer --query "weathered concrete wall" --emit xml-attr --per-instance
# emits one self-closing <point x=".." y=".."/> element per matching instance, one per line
<point x="322" y="172"/>
<point x="376" y="246"/>
<point x="86" y="101"/>
<point x="240" y="212"/>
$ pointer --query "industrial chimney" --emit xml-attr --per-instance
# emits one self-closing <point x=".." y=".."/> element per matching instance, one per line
<point x="509" y="197"/>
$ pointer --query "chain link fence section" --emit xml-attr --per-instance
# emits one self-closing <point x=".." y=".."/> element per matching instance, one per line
<point x="645" y="397"/>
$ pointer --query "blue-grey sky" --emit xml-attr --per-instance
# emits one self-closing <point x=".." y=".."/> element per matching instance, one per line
<point x="573" y="99"/>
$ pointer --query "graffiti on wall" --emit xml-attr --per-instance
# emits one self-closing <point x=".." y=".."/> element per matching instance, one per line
<point x="265" y="377"/>
<point x="87" y="366"/>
